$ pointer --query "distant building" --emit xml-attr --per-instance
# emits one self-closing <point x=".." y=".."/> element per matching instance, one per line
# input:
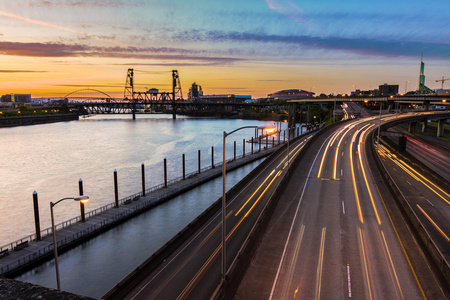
<point x="288" y="94"/>
<point x="443" y="93"/>
<point x="195" y="91"/>
<point x="388" y="89"/>
<point x="153" y="91"/>
<point x="230" y="98"/>
<point x="18" y="98"/>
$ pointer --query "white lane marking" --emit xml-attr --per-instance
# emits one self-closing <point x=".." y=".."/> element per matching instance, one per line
<point x="408" y="182"/>
<point x="349" y="282"/>
<point x="293" y="222"/>
<point x="343" y="207"/>
<point x="430" y="202"/>
<point x="342" y="172"/>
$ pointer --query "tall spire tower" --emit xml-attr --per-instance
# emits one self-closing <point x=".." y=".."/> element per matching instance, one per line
<point x="422" y="89"/>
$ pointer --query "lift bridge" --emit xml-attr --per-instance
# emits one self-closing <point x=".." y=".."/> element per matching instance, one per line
<point x="90" y="101"/>
<point x="132" y="102"/>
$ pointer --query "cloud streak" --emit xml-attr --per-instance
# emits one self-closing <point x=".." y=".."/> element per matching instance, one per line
<point x="28" y="20"/>
<point x="21" y="71"/>
<point x="365" y="46"/>
<point x="191" y="57"/>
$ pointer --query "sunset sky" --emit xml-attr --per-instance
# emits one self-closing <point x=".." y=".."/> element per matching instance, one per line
<point x="53" y="47"/>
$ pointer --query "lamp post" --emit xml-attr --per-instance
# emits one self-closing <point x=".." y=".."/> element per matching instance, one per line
<point x="268" y="129"/>
<point x="320" y="120"/>
<point x="379" y="126"/>
<point x="82" y="199"/>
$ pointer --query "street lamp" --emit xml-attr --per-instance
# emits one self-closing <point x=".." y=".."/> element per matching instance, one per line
<point x="269" y="130"/>
<point x="379" y="125"/>
<point x="320" y="120"/>
<point x="82" y="199"/>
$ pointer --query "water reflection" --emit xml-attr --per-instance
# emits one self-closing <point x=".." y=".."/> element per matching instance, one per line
<point x="95" y="266"/>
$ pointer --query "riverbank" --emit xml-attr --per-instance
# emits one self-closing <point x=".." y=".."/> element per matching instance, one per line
<point x="33" y="120"/>
<point x="13" y="289"/>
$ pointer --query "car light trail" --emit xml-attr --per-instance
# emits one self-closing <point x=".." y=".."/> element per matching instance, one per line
<point x="249" y="198"/>
<point x="292" y="225"/>
<point x="410" y="171"/>
<point x="330" y="143"/>
<point x="392" y="266"/>
<point x="361" y="219"/>
<point x="337" y="151"/>
<point x="365" y="177"/>
<point x="213" y="256"/>
<point x="292" y="264"/>
<point x="262" y="194"/>
<point x="320" y="263"/>
<point x="433" y="223"/>
<point x="366" y="267"/>
<point x="283" y="161"/>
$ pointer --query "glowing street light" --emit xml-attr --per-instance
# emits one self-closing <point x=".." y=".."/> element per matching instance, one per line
<point x="82" y="199"/>
<point x="268" y="130"/>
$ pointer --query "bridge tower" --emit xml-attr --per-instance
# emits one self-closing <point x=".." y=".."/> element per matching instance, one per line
<point x="129" y="86"/>
<point x="176" y="86"/>
<point x="129" y="91"/>
<point x="177" y="94"/>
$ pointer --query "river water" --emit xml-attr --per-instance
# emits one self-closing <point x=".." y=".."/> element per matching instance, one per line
<point x="51" y="158"/>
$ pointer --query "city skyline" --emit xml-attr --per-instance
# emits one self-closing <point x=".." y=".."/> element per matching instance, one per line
<point x="50" y="48"/>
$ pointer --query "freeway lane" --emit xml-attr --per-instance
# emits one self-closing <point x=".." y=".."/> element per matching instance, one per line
<point x="331" y="236"/>
<point x="429" y="199"/>
<point x="193" y="271"/>
<point x="436" y="159"/>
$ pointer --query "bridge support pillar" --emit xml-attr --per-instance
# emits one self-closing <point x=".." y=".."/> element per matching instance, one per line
<point x="308" y="113"/>
<point x="291" y="116"/>
<point x="424" y="125"/>
<point x="440" y="128"/>
<point x="426" y="105"/>
<point x="174" y="111"/>
<point x="133" y="110"/>
<point x="412" y="127"/>
<point x="390" y="105"/>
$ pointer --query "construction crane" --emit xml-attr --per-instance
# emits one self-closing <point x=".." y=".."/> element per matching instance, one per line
<point x="442" y="80"/>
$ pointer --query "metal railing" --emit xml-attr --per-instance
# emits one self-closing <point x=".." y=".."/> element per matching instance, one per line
<point x="48" y="231"/>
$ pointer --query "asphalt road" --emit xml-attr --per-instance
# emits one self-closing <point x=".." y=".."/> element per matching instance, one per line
<point x="337" y="233"/>
<point x="434" y="158"/>
<point x="194" y="270"/>
<point x="429" y="199"/>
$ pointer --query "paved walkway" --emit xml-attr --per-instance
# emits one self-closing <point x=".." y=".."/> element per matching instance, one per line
<point x="23" y="253"/>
